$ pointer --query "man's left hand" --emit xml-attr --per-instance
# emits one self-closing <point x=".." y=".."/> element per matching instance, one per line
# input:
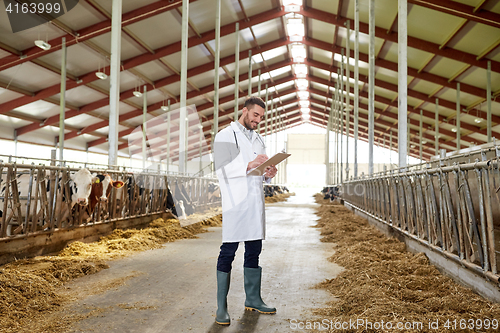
<point x="271" y="171"/>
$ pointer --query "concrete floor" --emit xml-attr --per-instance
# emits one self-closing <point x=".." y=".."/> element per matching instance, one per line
<point x="172" y="289"/>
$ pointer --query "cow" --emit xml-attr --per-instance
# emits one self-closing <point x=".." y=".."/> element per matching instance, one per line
<point x="213" y="192"/>
<point x="101" y="190"/>
<point x="331" y="193"/>
<point x="268" y="191"/>
<point x="137" y="187"/>
<point x="79" y="186"/>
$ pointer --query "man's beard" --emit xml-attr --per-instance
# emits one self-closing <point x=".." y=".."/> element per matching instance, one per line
<point x="248" y="124"/>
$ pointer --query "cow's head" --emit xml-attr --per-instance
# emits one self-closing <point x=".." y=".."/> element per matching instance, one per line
<point x="107" y="183"/>
<point x="82" y="186"/>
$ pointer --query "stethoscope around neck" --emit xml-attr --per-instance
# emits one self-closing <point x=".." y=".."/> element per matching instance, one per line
<point x="258" y="137"/>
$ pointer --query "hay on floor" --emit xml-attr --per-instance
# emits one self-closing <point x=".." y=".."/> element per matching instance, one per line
<point x="382" y="281"/>
<point x="29" y="287"/>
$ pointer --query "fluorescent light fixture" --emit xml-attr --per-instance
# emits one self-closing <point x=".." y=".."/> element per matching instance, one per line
<point x="42" y="44"/>
<point x="164" y="108"/>
<point x="304" y="104"/>
<point x="295" y="28"/>
<point x="306" y="116"/>
<point x="303" y="94"/>
<point x="302" y="83"/>
<point x="478" y="120"/>
<point x="296" y="38"/>
<point x="300" y="69"/>
<point x="292" y="5"/>
<point x="305" y="110"/>
<point x="454" y="129"/>
<point x="101" y="75"/>
<point x="137" y="93"/>
<point x="298" y="52"/>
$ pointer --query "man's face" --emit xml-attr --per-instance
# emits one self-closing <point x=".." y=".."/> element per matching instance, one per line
<point x="252" y="117"/>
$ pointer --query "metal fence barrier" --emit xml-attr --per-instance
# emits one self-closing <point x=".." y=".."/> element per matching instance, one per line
<point x="453" y="209"/>
<point x="33" y="200"/>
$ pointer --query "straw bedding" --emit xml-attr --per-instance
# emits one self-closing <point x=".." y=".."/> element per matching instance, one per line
<point x="382" y="281"/>
<point x="32" y="289"/>
<point x="278" y="197"/>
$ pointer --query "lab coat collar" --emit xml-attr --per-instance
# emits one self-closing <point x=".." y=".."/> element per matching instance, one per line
<point x="236" y="128"/>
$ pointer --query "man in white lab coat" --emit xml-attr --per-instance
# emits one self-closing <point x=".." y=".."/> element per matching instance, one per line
<point x="238" y="149"/>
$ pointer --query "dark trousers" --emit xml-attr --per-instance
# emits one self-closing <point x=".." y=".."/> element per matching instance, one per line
<point x="228" y="250"/>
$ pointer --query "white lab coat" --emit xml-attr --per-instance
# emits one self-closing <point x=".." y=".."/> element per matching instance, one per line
<point x="243" y="216"/>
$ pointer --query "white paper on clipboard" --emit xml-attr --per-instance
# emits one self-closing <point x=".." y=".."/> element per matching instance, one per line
<point x="274" y="160"/>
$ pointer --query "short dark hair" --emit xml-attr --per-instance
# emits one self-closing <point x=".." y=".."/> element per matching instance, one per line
<point x="254" y="100"/>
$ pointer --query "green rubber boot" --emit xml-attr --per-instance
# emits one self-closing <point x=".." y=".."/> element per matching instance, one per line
<point x="253" y="301"/>
<point x="222" y="316"/>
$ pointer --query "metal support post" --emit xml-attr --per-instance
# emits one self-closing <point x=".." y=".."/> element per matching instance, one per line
<point x="371" y="85"/>
<point x="265" y="115"/>
<point x="436" y="128"/>
<point x="347" y="97"/>
<point x="114" y="81"/>
<point x="183" y="111"/>
<point x="249" y="73"/>
<point x="144" y="119"/>
<point x="62" y="99"/>
<point x="201" y="140"/>
<point x="341" y="109"/>
<point x="236" y="71"/>
<point x="356" y="84"/>
<point x="390" y="150"/>
<point x="258" y="94"/>
<point x="168" y="136"/>
<point x="420" y="136"/>
<point x="216" y="67"/>
<point x="488" y="100"/>
<point x="458" y="116"/>
<point x="402" y="81"/>
<point x="337" y="126"/>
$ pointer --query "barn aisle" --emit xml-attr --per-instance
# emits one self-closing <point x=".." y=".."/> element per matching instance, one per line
<point x="173" y="289"/>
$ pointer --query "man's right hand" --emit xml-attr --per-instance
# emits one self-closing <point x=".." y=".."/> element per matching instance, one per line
<point x="258" y="161"/>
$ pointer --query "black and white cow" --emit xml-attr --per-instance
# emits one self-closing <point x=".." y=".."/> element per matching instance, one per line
<point x="213" y="192"/>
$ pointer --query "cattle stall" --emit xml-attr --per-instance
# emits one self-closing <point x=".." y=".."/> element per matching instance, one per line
<point x="43" y="207"/>
<point x="451" y="206"/>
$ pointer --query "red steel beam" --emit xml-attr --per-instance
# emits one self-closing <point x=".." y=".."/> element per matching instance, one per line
<point x="395" y="117"/>
<point x="394" y="67"/>
<point x="363" y="130"/>
<point x="461" y="10"/>
<point x="130" y="130"/>
<point x="92" y="31"/>
<point x="413" y="93"/>
<point x="414" y="42"/>
<point x="146" y="57"/>
<point x="159" y="83"/>
<point x="377" y="122"/>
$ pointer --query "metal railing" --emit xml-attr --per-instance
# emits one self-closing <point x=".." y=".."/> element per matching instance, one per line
<point x="42" y="206"/>
<point x="453" y="209"/>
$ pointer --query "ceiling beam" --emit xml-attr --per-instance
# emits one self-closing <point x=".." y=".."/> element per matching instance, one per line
<point x="414" y="42"/>
<point x="89" y="32"/>
<point x="393" y="66"/>
<point x="147" y="57"/>
<point x="461" y="10"/>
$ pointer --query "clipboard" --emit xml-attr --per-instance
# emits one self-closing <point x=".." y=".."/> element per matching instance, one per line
<point x="274" y="160"/>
